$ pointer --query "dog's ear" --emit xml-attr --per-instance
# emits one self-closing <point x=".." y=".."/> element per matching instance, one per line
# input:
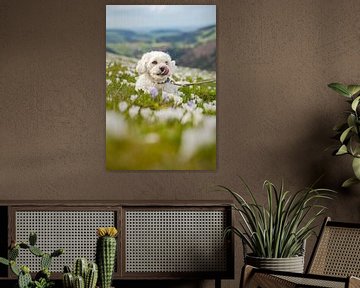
<point x="141" y="65"/>
<point x="173" y="66"/>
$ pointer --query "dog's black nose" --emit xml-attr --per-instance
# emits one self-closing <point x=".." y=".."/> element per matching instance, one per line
<point x="162" y="68"/>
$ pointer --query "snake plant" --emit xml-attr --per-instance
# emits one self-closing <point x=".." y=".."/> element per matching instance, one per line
<point x="279" y="228"/>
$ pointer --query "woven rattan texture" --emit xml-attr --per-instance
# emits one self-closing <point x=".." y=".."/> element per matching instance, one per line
<point x="175" y="241"/>
<point x="338" y="253"/>
<point x="267" y="280"/>
<point x="75" y="231"/>
<point x="305" y="282"/>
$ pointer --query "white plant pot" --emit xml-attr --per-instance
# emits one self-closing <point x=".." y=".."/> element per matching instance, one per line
<point x="291" y="264"/>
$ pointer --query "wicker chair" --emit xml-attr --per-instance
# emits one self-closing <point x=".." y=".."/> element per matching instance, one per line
<point x="334" y="263"/>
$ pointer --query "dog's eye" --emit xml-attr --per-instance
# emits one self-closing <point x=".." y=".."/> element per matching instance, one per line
<point x="166" y="62"/>
<point x="154" y="62"/>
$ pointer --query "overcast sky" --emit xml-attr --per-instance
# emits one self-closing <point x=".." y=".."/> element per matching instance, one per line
<point x="148" y="17"/>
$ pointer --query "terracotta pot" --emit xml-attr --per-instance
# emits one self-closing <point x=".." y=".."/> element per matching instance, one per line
<point x="291" y="264"/>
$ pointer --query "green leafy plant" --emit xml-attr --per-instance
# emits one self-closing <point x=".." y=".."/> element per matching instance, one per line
<point x="348" y="132"/>
<point x="42" y="278"/>
<point x="279" y="229"/>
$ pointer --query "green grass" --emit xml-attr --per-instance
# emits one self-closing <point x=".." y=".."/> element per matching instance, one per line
<point x="152" y="129"/>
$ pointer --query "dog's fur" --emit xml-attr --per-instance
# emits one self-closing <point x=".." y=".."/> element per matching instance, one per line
<point x="154" y="69"/>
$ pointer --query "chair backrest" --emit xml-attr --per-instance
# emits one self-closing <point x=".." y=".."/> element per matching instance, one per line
<point x="337" y="251"/>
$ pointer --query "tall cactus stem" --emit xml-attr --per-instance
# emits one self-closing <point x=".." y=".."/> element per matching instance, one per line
<point x="79" y="282"/>
<point x="68" y="280"/>
<point x="91" y="276"/>
<point x="80" y="268"/>
<point x="105" y="257"/>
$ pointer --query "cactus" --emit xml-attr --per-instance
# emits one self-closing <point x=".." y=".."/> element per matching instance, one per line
<point x="80" y="267"/>
<point x="91" y="276"/>
<point x="13" y="253"/>
<point x="42" y="278"/>
<point x="32" y="238"/>
<point x="57" y="252"/>
<point x="36" y="251"/>
<point x="89" y="272"/>
<point x="44" y="273"/>
<point x="45" y="261"/>
<point x="14" y="268"/>
<point x="106" y="254"/>
<point x="4" y="261"/>
<point x="79" y="282"/>
<point x="68" y="280"/>
<point x="24" y="279"/>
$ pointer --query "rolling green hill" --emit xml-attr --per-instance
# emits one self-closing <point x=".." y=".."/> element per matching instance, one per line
<point x="193" y="49"/>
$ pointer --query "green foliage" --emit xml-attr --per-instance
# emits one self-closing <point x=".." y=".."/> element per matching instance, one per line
<point x="42" y="278"/>
<point x="43" y="283"/>
<point x="348" y="132"/>
<point x="279" y="229"/>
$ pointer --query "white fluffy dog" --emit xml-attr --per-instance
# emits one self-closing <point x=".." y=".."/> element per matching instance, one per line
<point x="154" y="70"/>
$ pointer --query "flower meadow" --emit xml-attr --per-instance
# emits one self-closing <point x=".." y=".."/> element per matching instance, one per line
<point x="172" y="130"/>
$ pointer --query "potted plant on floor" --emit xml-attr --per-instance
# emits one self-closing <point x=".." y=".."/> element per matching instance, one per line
<point x="348" y="132"/>
<point x="276" y="233"/>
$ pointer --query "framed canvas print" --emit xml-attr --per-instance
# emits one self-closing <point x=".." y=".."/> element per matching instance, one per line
<point x="161" y="87"/>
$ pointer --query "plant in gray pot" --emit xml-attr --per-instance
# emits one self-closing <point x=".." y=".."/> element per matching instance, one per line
<point x="275" y="234"/>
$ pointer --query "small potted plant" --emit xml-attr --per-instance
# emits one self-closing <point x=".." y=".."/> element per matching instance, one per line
<point x="348" y="132"/>
<point x="275" y="233"/>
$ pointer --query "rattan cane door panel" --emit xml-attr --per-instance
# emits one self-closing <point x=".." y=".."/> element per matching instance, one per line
<point x="74" y="230"/>
<point x="174" y="241"/>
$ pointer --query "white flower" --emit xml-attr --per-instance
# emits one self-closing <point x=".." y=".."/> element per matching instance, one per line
<point x="108" y="82"/>
<point x="115" y="125"/>
<point x="133" y="97"/>
<point x="187" y="118"/>
<point x="195" y="138"/>
<point x="175" y="98"/>
<point x="197" y="116"/>
<point x="133" y="111"/>
<point x="211" y="107"/>
<point x="146" y="113"/>
<point x="123" y="106"/>
<point x="168" y="114"/>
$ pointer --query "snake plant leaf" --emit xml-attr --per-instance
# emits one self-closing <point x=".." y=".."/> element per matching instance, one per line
<point x="349" y="182"/>
<point x="356" y="167"/>
<point x="353" y="89"/>
<point x="340" y="88"/>
<point x="342" y="150"/>
<point x="345" y="134"/>
<point x="355" y="103"/>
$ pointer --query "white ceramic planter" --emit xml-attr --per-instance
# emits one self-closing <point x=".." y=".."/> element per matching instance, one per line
<point x="291" y="264"/>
